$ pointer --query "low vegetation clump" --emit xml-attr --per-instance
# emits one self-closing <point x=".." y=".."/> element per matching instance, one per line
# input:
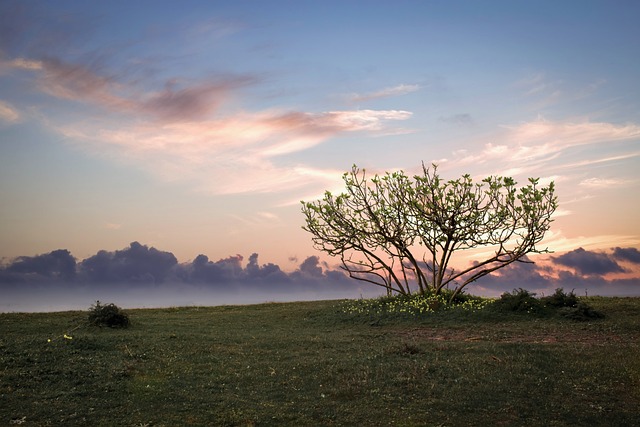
<point x="109" y="315"/>
<point x="559" y="303"/>
<point x="581" y="311"/>
<point x="522" y="301"/>
<point x="415" y="305"/>
<point x="560" y="299"/>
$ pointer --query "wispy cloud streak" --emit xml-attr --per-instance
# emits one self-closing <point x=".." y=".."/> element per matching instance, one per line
<point x="530" y="145"/>
<point x="180" y="133"/>
<point x="8" y="113"/>
<point x="235" y="154"/>
<point x="399" y="90"/>
<point x="606" y="183"/>
<point x="91" y="84"/>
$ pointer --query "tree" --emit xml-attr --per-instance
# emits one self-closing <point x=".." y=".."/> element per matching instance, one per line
<point x="401" y="233"/>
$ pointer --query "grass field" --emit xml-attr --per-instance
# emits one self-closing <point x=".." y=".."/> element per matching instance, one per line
<point x="311" y="364"/>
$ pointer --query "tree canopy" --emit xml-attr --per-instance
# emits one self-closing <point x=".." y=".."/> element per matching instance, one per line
<point x="401" y="233"/>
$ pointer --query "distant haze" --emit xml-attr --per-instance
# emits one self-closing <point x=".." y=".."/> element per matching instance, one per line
<point x="143" y="276"/>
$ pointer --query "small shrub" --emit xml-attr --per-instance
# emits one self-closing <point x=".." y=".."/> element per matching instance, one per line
<point x="560" y="299"/>
<point x="581" y="312"/>
<point x="520" y="300"/>
<point x="559" y="303"/>
<point x="109" y="315"/>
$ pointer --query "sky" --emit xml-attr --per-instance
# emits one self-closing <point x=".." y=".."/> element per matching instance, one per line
<point x="196" y="128"/>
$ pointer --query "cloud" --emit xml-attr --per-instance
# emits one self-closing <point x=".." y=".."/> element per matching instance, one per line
<point x="266" y="273"/>
<point x="399" y="90"/>
<point x="25" y="64"/>
<point x="179" y="100"/>
<point x="192" y="102"/>
<point x="590" y="162"/>
<point x="180" y="133"/>
<point x="569" y="134"/>
<point x="8" y="113"/>
<point x="589" y="263"/>
<point x="145" y="268"/>
<point x="364" y="120"/>
<point x="129" y="278"/>
<point x="458" y="119"/>
<point x="544" y="145"/>
<point x="311" y="267"/>
<point x="592" y="273"/>
<point x="137" y="263"/>
<point x="295" y="131"/>
<point x="177" y="128"/>
<point x="183" y="132"/>
<point x="513" y="276"/>
<point x="229" y="273"/>
<point x="605" y="183"/>
<point x="543" y="138"/>
<point x="533" y="83"/>
<point x="201" y="270"/>
<point x="140" y="264"/>
<point x="232" y="154"/>
<point x="559" y="243"/>
<point x="87" y="83"/>
<point x="539" y="87"/>
<point x="546" y="92"/>
<point x="627" y="254"/>
<point x="92" y="84"/>
<point x="56" y="265"/>
<point x="37" y="47"/>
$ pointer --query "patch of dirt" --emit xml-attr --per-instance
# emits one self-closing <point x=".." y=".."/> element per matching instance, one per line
<point x="498" y="334"/>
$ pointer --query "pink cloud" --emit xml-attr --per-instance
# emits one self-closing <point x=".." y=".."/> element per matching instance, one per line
<point x="183" y="132"/>
<point x="91" y="84"/>
<point x="8" y="113"/>
<point x="531" y="146"/>
<point x="233" y="154"/>
<point x="80" y="82"/>
<point x="191" y="102"/>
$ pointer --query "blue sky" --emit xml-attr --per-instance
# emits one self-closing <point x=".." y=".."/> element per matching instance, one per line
<point x="197" y="127"/>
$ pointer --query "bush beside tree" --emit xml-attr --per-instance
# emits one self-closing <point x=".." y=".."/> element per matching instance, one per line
<point x="561" y="303"/>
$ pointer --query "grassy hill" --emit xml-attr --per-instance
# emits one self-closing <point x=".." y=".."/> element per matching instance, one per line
<point x="310" y="363"/>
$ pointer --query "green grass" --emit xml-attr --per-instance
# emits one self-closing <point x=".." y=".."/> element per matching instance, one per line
<point x="310" y="364"/>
